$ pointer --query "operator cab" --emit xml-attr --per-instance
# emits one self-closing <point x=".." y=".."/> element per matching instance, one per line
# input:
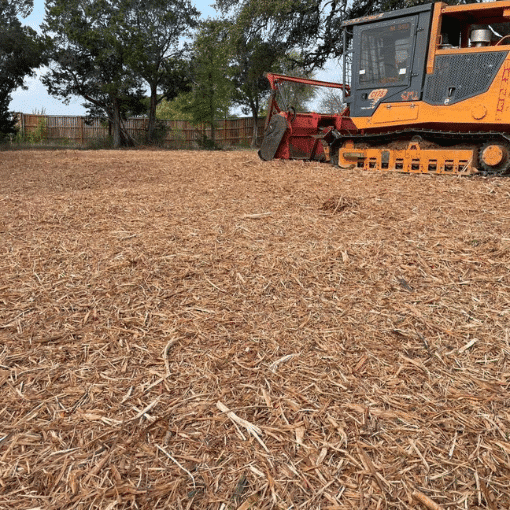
<point x="389" y="52"/>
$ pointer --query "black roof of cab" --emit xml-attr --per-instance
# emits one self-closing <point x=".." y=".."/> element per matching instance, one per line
<point x="388" y="15"/>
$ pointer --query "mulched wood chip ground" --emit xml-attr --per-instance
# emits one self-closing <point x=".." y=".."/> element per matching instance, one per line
<point x="203" y="330"/>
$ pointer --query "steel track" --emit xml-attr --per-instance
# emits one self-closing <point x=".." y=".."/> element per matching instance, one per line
<point x="436" y="136"/>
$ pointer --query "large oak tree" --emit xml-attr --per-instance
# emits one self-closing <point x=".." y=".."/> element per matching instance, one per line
<point x="152" y="31"/>
<point x="88" y="59"/>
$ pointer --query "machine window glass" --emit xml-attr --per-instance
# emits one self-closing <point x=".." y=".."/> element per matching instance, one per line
<point x="385" y="57"/>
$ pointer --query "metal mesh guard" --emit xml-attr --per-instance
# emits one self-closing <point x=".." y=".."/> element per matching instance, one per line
<point x="469" y="74"/>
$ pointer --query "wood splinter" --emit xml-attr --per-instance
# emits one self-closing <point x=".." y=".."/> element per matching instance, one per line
<point x="426" y="501"/>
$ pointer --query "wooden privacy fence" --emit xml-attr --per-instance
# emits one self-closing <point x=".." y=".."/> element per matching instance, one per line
<point x="180" y="134"/>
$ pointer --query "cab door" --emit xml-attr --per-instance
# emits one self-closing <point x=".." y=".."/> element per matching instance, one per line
<point x="389" y="61"/>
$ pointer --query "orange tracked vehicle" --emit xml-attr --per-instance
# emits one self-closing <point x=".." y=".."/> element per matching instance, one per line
<point x="427" y="90"/>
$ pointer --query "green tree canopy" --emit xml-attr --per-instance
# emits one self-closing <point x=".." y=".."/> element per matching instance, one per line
<point x="21" y="53"/>
<point x="176" y="109"/>
<point x="308" y="26"/>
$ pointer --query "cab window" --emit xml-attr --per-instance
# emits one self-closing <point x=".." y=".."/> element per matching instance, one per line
<point x="385" y="56"/>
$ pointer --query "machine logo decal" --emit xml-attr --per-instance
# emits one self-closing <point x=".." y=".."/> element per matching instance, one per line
<point x="376" y="95"/>
<point x="410" y="95"/>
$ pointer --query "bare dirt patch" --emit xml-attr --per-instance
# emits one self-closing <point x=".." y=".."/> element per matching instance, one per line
<point x="199" y="330"/>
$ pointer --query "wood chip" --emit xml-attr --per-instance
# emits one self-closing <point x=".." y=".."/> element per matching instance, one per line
<point x="255" y="431"/>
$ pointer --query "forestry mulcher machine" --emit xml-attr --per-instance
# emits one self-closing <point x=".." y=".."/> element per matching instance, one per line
<point x="429" y="92"/>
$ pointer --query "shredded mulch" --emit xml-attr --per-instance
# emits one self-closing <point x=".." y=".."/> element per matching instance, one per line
<point x="338" y="204"/>
<point x="198" y="330"/>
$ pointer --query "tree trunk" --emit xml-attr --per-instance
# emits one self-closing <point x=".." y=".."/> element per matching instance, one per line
<point x="255" y="114"/>
<point x="255" y="134"/>
<point x="152" y="114"/>
<point x="116" y="123"/>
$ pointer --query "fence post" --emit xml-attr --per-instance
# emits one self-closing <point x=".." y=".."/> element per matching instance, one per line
<point x="82" y="134"/>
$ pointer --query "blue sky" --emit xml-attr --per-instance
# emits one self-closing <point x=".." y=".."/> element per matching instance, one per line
<point x="36" y="99"/>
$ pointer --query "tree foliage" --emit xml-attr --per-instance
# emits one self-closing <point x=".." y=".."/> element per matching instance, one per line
<point x="176" y="109"/>
<point x="212" y="89"/>
<point x="21" y="7"/>
<point x="106" y="52"/>
<point x="21" y="52"/>
<point x="251" y="57"/>
<point x="308" y="26"/>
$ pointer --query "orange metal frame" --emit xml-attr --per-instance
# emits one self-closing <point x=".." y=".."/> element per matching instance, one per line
<point x="492" y="12"/>
<point x="412" y="159"/>
<point x="434" y="36"/>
